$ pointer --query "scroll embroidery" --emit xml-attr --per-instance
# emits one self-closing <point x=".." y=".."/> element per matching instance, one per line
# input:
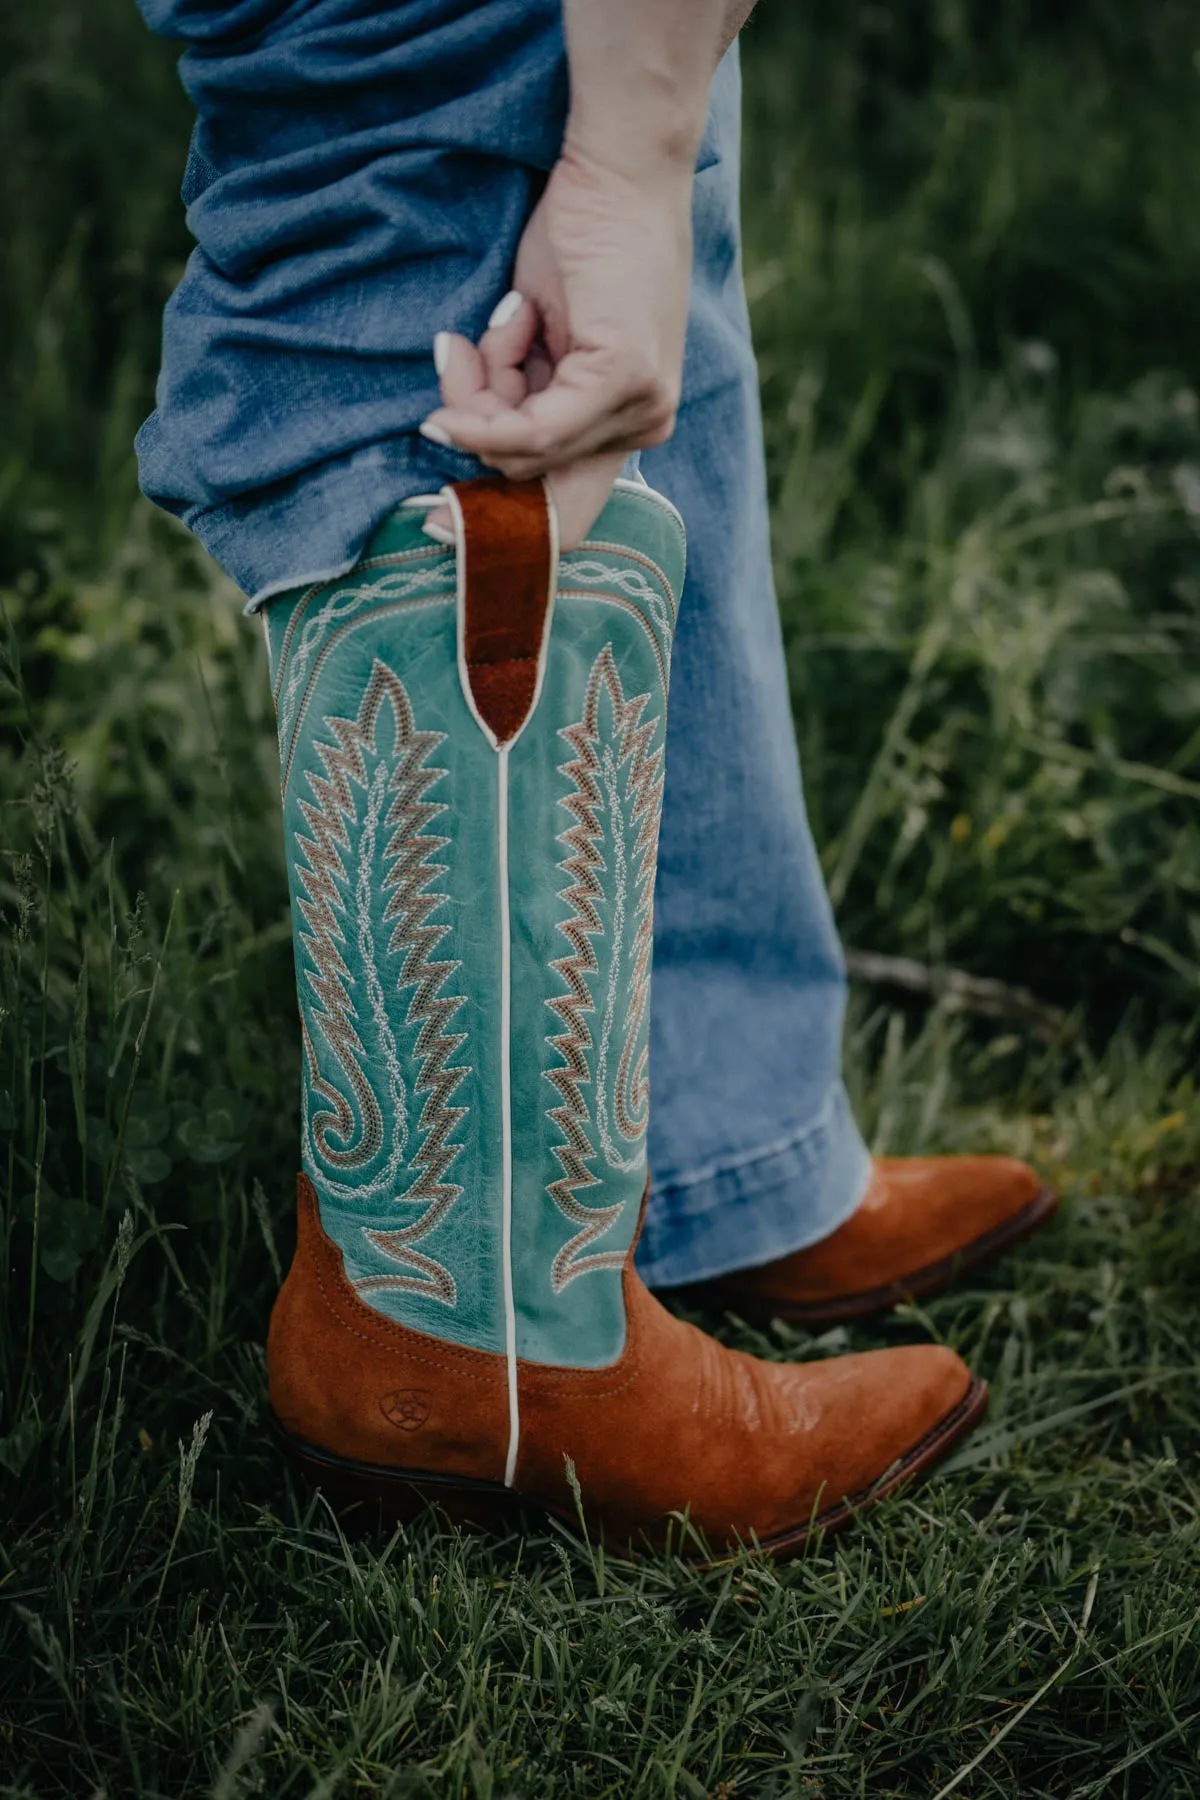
<point x="615" y="801"/>
<point x="369" y="893"/>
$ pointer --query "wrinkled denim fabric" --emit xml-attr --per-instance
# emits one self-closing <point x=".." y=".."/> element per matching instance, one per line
<point x="358" y="178"/>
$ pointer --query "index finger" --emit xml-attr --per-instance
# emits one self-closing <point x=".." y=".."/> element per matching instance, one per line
<point x="582" y="412"/>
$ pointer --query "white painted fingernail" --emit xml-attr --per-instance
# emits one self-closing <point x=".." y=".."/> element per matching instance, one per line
<point x="508" y="309"/>
<point x="435" y="434"/>
<point x="441" y="351"/>
<point x="438" y="533"/>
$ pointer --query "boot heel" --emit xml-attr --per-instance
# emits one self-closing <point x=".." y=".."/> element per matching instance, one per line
<point x="366" y="1496"/>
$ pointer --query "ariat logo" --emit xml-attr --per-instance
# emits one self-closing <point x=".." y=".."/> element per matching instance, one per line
<point x="406" y="1408"/>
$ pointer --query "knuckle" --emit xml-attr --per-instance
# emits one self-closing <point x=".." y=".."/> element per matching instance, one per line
<point x="661" y="416"/>
<point x="643" y="385"/>
<point x="539" y="441"/>
<point x="656" y="400"/>
<point x="545" y="444"/>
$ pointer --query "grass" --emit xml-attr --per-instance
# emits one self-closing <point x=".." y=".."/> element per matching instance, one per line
<point x="972" y="251"/>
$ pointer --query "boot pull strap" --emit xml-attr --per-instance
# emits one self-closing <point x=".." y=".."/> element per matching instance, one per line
<point x="507" y="536"/>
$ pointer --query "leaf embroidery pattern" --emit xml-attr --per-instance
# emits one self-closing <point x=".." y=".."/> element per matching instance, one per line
<point x="368" y="821"/>
<point x="615" y="801"/>
<point x="309" y="628"/>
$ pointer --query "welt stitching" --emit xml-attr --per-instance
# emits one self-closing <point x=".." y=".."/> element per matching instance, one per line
<point x="464" y="1355"/>
<point x="286" y="646"/>
<point x="389" y="609"/>
<point x="390" y="559"/>
<point x="635" y="556"/>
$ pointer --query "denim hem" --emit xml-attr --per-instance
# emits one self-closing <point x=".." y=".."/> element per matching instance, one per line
<point x="315" y="528"/>
<point x="287" y="584"/>
<point x="757" y="1208"/>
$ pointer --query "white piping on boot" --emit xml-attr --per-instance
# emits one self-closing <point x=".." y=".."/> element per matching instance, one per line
<point x="449" y="498"/>
<point x="510" y="1309"/>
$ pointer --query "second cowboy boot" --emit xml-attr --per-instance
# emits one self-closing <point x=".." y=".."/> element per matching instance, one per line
<point x="472" y="746"/>
<point x="923" y="1222"/>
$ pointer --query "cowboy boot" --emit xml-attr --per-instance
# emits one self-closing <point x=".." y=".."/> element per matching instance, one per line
<point x="472" y="746"/>
<point x="922" y="1223"/>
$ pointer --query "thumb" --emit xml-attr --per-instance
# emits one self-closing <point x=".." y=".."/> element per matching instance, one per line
<point x="580" y="492"/>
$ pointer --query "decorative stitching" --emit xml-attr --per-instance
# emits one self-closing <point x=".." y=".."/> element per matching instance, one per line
<point x="624" y="552"/>
<point x="391" y="559"/>
<point x="594" y="791"/>
<point x="385" y="611"/>
<point x="630" y="581"/>
<point x="297" y="613"/>
<point x="339" y="604"/>
<point x="635" y="612"/>
<point x="350" y="1135"/>
<point x="632" y="1097"/>
<point x="540" y="1375"/>
<point x="463" y="1353"/>
<point x="658" y="501"/>
<point x="545" y="1378"/>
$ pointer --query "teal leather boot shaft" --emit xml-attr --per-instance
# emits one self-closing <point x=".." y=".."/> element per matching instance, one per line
<point x="473" y="929"/>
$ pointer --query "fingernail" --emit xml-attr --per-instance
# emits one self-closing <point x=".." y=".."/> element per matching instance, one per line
<point x="508" y="309"/>
<point x="441" y="351"/>
<point x="438" y="533"/>
<point x="435" y="434"/>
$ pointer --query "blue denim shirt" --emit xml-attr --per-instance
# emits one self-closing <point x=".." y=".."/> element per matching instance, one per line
<point x="358" y="178"/>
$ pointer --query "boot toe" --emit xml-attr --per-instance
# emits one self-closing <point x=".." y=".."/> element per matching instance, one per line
<point x="861" y="1426"/>
<point x="901" y="1398"/>
<point x="957" y="1197"/>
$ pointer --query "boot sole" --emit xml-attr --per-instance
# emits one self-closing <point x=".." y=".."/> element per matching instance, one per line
<point x="872" y="1302"/>
<point x="368" y="1495"/>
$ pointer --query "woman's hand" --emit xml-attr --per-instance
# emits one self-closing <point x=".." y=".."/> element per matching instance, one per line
<point x="582" y="362"/>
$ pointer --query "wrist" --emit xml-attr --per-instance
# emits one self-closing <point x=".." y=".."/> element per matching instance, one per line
<point x="660" y="162"/>
<point x="640" y="75"/>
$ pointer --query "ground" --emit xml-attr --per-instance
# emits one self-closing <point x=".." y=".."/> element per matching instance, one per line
<point x="972" y="253"/>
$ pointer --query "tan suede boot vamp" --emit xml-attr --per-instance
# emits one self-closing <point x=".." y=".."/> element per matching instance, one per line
<point x="922" y="1222"/>
<point x="747" y="1449"/>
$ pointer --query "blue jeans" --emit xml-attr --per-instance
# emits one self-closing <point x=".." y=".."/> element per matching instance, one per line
<point x="359" y="178"/>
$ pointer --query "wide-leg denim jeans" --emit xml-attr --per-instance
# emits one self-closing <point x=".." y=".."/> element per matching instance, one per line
<point x="358" y="179"/>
